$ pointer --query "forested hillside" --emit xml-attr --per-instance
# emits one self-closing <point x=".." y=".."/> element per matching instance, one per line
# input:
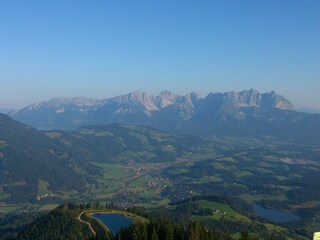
<point x="63" y="223"/>
<point x="32" y="164"/>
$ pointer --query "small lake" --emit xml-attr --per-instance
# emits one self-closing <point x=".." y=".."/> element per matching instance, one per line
<point x="113" y="221"/>
<point x="276" y="216"/>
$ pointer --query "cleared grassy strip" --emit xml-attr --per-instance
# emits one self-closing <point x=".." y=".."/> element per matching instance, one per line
<point x="10" y="208"/>
<point x="115" y="171"/>
<point x="3" y="144"/>
<point x="220" y="210"/>
<point x="43" y="187"/>
<point x="208" y="179"/>
<point x="48" y="207"/>
<point x="67" y="194"/>
<point x="217" y="206"/>
<point x="141" y="181"/>
<point x="258" y="197"/>
<point x="4" y="195"/>
<point x="85" y="131"/>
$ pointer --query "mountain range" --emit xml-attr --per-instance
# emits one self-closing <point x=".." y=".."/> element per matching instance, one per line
<point x="6" y="110"/>
<point x="245" y="113"/>
<point x="134" y="163"/>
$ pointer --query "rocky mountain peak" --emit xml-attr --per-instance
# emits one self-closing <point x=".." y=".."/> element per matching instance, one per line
<point x="274" y="100"/>
<point x="166" y="98"/>
<point x="251" y="98"/>
<point x="166" y="93"/>
<point x="140" y="107"/>
<point x="131" y="102"/>
<point x="78" y="101"/>
<point x="193" y="96"/>
<point x="133" y="97"/>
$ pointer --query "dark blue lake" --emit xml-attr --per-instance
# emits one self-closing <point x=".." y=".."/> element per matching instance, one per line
<point x="113" y="221"/>
<point x="276" y="215"/>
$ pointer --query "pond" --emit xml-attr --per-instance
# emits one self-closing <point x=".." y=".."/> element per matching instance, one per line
<point x="276" y="216"/>
<point x="113" y="221"/>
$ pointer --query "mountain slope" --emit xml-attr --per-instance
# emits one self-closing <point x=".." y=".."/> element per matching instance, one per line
<point x="61" y="113"/>
<point x="120" y="141"/>
<point x="34" y="163"/>
<point x="58" y="224"/>
<point x="30" y="162"/>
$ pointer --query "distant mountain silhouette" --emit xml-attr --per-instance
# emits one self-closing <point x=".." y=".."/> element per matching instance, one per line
<point x="248" y="112"/>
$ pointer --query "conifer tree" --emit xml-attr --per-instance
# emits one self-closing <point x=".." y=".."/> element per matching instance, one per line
<point x="154" y="235"/>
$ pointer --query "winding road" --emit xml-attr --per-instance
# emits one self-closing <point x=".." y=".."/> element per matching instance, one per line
<point x="89" y="225"/>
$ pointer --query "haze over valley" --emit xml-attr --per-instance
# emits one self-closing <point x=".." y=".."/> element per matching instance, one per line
<point x="247" y="147"/>
<point x="159" y="120"/>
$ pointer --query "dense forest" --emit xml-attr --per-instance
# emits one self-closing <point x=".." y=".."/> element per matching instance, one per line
<point x="63" y="223"/>
<point x="58" y="224"/>
<point x="160" y="229"/>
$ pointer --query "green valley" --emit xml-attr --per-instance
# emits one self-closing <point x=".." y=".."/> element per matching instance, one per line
<point x="134" y="166"/>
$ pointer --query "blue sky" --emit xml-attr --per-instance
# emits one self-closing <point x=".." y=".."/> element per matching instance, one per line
<point x="105" y="48"/>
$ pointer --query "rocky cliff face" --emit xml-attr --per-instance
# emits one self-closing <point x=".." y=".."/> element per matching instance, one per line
<point x="167" y="110"/>
<point x="251" y="98"/>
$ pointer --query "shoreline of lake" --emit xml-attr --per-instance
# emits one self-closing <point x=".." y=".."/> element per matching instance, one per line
<point x="113" y="221"/>
<point x="275" y="215"/>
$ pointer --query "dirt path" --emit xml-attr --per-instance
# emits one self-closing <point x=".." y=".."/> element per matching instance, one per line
<point x="91" y="229"/>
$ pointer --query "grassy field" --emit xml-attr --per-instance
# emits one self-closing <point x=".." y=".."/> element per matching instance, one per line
<point x="85" y="131"/>
<point x="43" y="188"/>
<point x="239" y="174"/>
<point x="224" y="211"/>
<point x="67" y="194"/>
<point x="4" y="195"/>
<point x="141" y="181"/>
<point x="217" y="206"/>
<point x="258" y="197"/>
<point x="229" y="214"/>
<point x="48" y="207"/>
<point x="10" y="208"/>
<point x="2" y="144"/>
<point x="209" y="179"/>
<point x="115" y="171"/>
